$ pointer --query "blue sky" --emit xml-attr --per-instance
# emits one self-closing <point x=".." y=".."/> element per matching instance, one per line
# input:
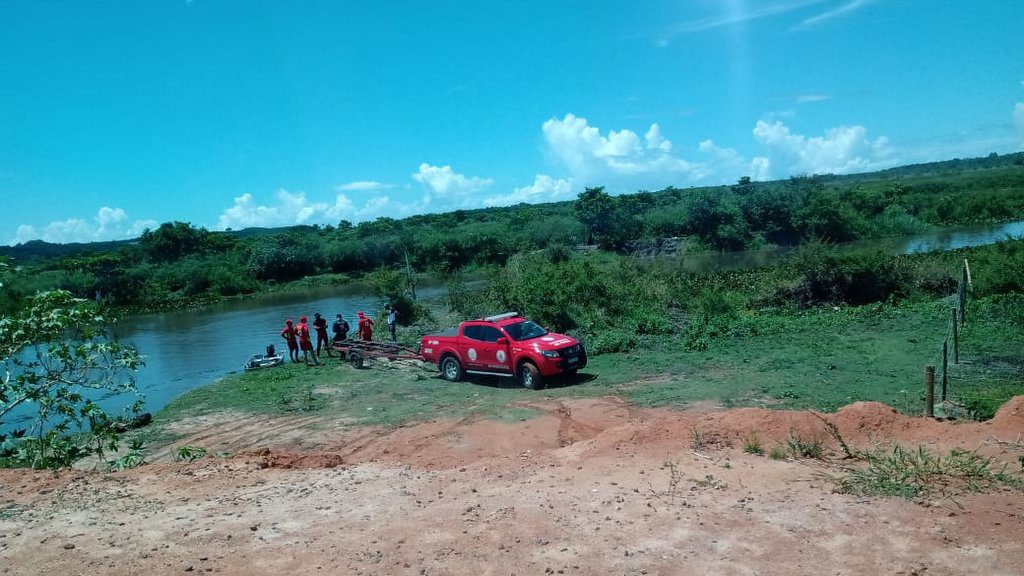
<point x="118" y="115"/>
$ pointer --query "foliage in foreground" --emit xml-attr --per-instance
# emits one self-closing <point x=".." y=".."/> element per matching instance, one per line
<point x="918" y="473"/>
<point x="55" y="362"/>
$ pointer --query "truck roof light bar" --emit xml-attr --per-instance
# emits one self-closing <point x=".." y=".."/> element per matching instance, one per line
<point x="498" y="317"/>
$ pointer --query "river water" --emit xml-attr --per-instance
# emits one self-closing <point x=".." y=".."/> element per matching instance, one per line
<point x="188" y="349"/>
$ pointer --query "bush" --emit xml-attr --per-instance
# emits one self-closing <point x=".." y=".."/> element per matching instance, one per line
<point x="827" y="275"/>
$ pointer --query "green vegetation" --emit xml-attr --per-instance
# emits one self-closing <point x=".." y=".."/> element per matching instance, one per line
<point x="800" y="447"/>
<point x="177" y="265"/>
<point x="824" y="328"/>
<point x="55" y="363"/>
<point x="753" y="446"/>
<point x="917" y="473"/>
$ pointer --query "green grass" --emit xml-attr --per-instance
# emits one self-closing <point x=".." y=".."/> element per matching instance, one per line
<point x="915" y="473"/>
<point x="819" y="359"/>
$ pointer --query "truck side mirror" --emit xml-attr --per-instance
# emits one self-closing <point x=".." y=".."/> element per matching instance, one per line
<point x="502" y="341"/>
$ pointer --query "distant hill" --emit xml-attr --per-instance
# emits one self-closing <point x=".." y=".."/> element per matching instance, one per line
<point x="37" y="250"/>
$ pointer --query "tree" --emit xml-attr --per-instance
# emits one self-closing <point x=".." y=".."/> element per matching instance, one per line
<point x="171" y="241"/>
<point x="595" y="208"/>
<point x="55" y="361"/>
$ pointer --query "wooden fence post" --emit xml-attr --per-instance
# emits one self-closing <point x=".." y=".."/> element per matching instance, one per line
<point x="929" y="391"/>
<point x="945" y="368"/>
<point x="956" y="339"/>
<point x="963" y="295"/>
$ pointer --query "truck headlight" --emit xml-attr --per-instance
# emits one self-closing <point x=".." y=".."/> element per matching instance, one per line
<point x="549" y="353"/>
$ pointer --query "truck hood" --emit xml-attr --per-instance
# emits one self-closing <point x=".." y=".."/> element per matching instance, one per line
<point x="550" y="341"/>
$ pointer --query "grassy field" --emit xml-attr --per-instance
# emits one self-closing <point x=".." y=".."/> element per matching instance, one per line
<point x="820" y="359"/>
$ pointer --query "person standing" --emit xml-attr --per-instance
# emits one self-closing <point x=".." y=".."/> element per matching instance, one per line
<point x="292" y="337"/>
<point x="392" y="321"/>
<point x="365" y="327"/>
<point x="320" y="326"/>
<point x="340" y="329"/>
<point x="305" y="343"/>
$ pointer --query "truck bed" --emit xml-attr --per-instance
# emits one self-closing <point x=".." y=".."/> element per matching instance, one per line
<point x="449" y="333"/>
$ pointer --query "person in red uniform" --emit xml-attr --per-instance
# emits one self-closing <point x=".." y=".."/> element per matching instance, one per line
<point x="292" y="338"/>
<point x="304" y="341"/>
<point x="320" y="326"/>
<point x="365" y="327"/>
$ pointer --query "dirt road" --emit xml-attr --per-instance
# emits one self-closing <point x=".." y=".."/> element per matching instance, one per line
<point x="592" y="487"/>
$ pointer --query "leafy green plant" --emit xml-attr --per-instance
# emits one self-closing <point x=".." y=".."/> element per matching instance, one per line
<point x="915" y="473"/>
<point x="778" y="453"/>
<point x="133" y="459"/>
<point x="56" y="359"/>
<point x="188" y="453"/>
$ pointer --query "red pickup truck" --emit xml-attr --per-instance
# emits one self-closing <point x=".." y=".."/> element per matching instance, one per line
<point x="504" y="345"/>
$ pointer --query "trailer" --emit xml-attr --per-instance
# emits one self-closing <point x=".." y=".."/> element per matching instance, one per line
<point x="361" y="352"/>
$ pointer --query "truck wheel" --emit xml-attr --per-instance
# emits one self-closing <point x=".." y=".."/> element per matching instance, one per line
<point x="451" y="369"/>
<point x="530" y="377"/>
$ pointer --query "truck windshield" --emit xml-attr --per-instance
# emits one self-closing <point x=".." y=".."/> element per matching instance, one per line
<point x="524" y="330"/>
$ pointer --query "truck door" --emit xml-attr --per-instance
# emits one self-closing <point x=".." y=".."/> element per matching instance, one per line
<point x="495" y="357"/>
<point x="473" y="346"/>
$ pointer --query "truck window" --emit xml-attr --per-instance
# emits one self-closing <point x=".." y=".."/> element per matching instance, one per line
<point x="525" y="330"/>
<point x="473" y="332"/>
<point x="489" y="333"/>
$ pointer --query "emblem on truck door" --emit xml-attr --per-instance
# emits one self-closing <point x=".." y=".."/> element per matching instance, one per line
<point x="502" y="357"/>
<point x="472" y="354"/>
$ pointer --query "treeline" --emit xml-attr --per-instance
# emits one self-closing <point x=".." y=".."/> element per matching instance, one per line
<point x="177" y="264"/>
<point x="617" y="303"/>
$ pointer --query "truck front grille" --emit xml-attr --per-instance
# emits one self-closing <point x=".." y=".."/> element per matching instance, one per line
<point x="573" y="350"/>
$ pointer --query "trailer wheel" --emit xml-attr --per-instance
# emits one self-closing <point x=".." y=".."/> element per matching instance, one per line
<point x="529" y="376"/>
<point x="356" y="359"/>
<point x="451" y="369"/>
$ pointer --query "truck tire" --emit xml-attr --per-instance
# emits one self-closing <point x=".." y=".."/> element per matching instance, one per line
<point x="529" y="376"/>
<point x="451" y="368"/>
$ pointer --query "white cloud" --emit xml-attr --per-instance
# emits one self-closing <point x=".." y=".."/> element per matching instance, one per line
<point x="808" y="98"/>
<point x="108" y="224"/>
<point x="843" y="10"/>
<point x="841" y="150"/>
<point x="619" y="157"/>
<point x="445" y="182"/>
<point x="364" y="185"/>
<point x="760" y="168"/>
<point x="295" y="208"/>
<point x="544" y="189"/>
<point x="737" y="14"/>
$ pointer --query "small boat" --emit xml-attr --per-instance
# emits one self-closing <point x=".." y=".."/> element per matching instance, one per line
<point x="257" y="361"/>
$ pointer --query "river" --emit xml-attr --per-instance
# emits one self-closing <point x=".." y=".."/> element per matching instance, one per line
<point x="190" y="348"/>
<point x="187" y="349"/>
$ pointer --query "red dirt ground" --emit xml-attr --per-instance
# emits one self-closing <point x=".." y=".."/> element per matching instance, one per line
<point x="593" y="487"/>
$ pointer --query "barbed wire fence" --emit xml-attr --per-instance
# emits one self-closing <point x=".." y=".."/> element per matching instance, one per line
<point x="949" y="371"/>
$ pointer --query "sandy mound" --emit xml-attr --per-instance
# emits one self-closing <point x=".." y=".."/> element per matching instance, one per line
<point x="1010" y="417"/>
<point x="591" y="487"/>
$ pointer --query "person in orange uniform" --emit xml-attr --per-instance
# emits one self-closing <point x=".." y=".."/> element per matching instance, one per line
<point x="304" y="341"/>
<point x="292" y="338"/>
<point x="365" y="327"/>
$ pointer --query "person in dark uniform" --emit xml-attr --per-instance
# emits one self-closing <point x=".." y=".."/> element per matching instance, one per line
<point x="320" y="326"/>
<point x="340" y="329"/>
